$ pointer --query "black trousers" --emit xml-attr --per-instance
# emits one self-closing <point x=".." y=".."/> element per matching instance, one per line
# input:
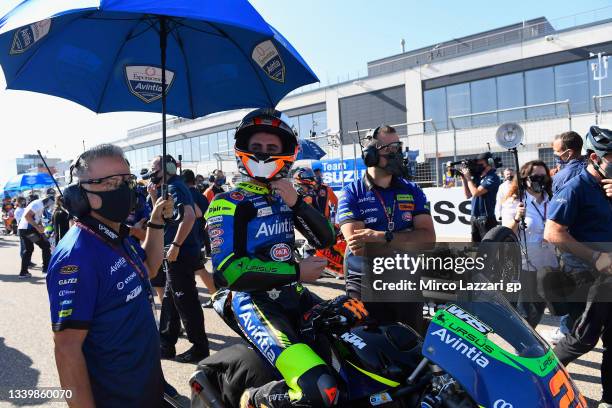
<point x="480" y="226"/>
<point x="29" y="238"/>
<point x="595" y="322"/>
<point x="181" y="303"/>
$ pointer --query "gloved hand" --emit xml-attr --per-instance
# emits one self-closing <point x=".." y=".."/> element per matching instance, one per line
<point x="352" y="310"/>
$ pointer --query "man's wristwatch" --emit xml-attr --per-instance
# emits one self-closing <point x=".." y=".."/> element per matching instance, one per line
<point x="388" y="236"/>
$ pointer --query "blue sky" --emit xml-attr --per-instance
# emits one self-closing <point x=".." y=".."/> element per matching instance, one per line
<point x="336" y="37"/>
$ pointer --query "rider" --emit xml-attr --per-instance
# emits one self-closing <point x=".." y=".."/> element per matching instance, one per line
<point x="252" y="238"/>
<point x="304" y="181"/>
<point x="325" y="196"/>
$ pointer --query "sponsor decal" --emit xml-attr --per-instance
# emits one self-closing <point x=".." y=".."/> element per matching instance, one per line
<point x="406" y="206"/>
<point x="127" y="280"/>
<point x="120" y="285"/>
<point x="25" y="37"/>
<point x="68" y="269"/>
<point x="280" y="252"/>
<point x="215" y="251"/>
<point x="471" y="353"/>
<point x="368" y="210"/>
<point x="263" y="212"/>
<point x="144" y="82"/>
<point x="368" y="199"/>
<point x="63" y="282"/>
<point x="259" y="203"/>
<point x="405" y="197"/>
<point x="469" y="319"/>
<point x="269" y="60"/>
<point x="215" y="220"/>
<point x="66" y="292"/>
<point x="237" y="195"/>
<point x="379" y="399"/>
<point x="107" y="231"/>
<point x="285" y="208"/>
<point x="258" y="335"/>
<point x="220" y="207"/>
<point x="353" y="339"/>
<point x="279" y="227"/>
<point x="407" y="216"/>
<point x="216" y="243"/>
<point x="65" y="313"/>
<point x="500" y="403"/>
<point x="273" y="294"/>
<point x="120" y="263"/>
<point x="133" y="293"/>
<point x="65" y="302"/>
<point x="215" y="232"/>
<point x="370" y="220"/>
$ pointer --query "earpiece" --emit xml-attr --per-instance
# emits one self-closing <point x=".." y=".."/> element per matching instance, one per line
<point x="370" y="154"/>
<point x="171" y="165"/>
<point x="75" y="198"/>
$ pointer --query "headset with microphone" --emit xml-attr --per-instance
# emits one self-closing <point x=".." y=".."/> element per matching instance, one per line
<point x="370" y="154"/>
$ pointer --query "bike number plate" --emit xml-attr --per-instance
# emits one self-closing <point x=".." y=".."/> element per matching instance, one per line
<point x="379" y="399"/>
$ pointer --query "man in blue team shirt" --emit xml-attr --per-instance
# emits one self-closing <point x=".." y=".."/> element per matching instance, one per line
<point x="383" y="207"/>
<point x="482" y="188"/>
<point x="106" y="342"/>
<point x="580" y="224"/>
<point x="567" y="149"/>
<point x="180" y="301"/>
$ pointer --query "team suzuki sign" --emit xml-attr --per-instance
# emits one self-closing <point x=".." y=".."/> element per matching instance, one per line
<point x="336" y="171"/>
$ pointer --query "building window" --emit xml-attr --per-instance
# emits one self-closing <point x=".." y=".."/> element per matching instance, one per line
<point x="484" y="99"/>
<point x="434" y="102"/>
<point x="572" y="82"/>
<point x="204" y="148"/>
<point x="540" y="88"/>
<point x="510" y="94"/>
<point x="546" y="155"/>
<point x="458" y="101"/>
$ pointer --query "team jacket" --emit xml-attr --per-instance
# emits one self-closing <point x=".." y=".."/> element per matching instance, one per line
<point x="252" y="237"/>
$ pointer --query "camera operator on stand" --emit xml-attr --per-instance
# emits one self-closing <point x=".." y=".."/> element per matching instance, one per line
<point x="480" y="183"/>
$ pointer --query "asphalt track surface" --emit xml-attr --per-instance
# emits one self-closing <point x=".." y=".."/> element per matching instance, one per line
<point x="26" y="342"/>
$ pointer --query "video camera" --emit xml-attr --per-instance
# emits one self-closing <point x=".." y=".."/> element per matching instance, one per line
<point x="452" y="169"/>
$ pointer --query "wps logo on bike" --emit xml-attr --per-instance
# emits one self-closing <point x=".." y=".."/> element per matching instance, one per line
<point x="280" y="252"/>
<point x="469" y="319"/>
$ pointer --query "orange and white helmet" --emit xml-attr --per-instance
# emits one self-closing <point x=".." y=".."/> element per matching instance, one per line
<point x="265" y="166"/>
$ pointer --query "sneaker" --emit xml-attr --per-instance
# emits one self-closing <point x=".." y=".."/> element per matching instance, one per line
<point x="193" y="355"/>
<point x="167" y="352"/>
<point x="25" y="275"/>
<point x="554" y="336"/>
<point x="208" y="304"/>
<point x="604" y="405"/>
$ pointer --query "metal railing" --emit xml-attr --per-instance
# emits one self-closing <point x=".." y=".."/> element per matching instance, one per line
<point x="597" y="99"/>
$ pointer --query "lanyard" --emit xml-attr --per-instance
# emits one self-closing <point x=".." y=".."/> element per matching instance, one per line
<point x="388" y="213"/>
<point x="543" y="217"/>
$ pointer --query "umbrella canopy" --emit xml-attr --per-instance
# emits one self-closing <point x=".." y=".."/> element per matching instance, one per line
<point x="309" y="150"/>
<point x="28" y="181"/>
<point x="106" y="55"/>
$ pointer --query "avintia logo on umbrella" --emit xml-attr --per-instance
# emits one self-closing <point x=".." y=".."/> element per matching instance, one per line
<point x="145" y="81"/>
<point x="27" y="36"/>
<point x="269" y="60"/>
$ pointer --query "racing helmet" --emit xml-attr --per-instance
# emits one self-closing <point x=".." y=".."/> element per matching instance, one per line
<point x="599" y="141"/>
<point x="304" y="176"/>
<point x="265" y="166"/>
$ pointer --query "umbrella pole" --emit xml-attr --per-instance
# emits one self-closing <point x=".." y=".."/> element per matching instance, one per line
<point x="163" y="42"/>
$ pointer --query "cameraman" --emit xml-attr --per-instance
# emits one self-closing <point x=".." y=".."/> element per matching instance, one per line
<point x="580" y="225"/>
<point x="482" y="188"/>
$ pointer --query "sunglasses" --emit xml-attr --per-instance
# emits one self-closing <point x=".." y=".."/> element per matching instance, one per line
<point x="113" y="181"/>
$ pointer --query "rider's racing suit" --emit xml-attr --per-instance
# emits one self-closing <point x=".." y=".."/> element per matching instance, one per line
<point x="252" y="242"/>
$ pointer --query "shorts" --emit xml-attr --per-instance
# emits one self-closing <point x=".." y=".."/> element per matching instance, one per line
<point x="160" y="280"/>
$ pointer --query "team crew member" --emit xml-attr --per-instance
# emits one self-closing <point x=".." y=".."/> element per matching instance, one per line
<point x="326" y="200"/>
<point x="106" y="342"/>
<point x="304" y="182"/>
<point x="200" y="205"/>
<point x="502" y="192"/>
<point x="252" y="239"/>
<point x="180" y="301"/>
<point x="580" y="224"/>
<point x="383" y="207"/>
<point x="218" y="180"/>
<point x="31" y="231"/>
<point x="567" y="149"/>
<point x="483" y="192"/>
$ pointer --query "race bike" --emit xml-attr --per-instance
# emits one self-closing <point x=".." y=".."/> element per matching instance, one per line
<point x="477" y="352"/>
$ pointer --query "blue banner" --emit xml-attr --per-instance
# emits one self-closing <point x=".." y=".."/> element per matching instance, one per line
<point x="336" y="171"/>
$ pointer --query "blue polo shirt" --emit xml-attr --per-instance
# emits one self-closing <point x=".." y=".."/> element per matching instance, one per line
<point x="484" y="205"/>
<point x="181" y="195"/>
<point x="568" y="172"/>
<point x="97" y="281"/>
<point x="582" y="205"/>
<point x="363" y="201"/>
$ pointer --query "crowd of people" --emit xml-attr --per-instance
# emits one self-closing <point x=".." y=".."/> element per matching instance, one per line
<point x="153" y="237"/>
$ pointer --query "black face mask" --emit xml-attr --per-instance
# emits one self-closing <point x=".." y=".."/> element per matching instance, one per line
<point x="479" y="169"/>
<point x="395" y="165"/>
<point x="538" y="184"/>
<point x="156" y="179"/>
<point x="116" y="204"/>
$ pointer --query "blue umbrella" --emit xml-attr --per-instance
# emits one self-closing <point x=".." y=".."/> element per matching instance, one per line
<point x="118" y="55"/>
<point x="28" y="181"/>
<point x="309" y="150"/>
